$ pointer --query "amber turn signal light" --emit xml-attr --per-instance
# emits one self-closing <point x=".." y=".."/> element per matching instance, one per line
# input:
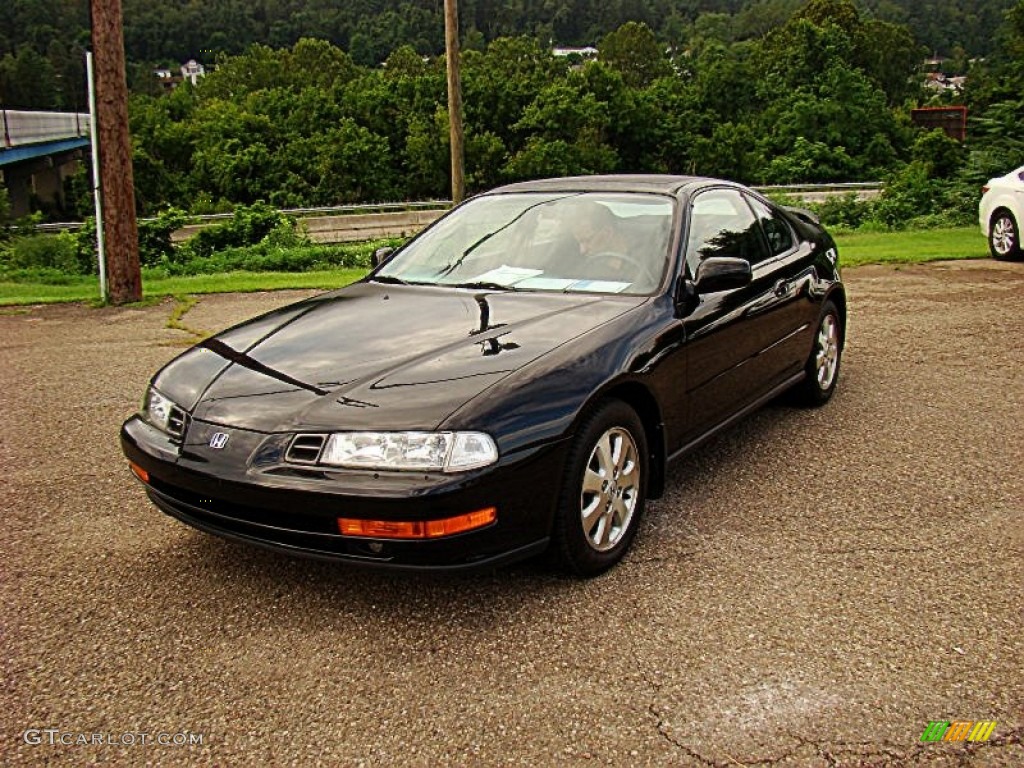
<point x="139" y="472"/>
<point x="417" y="529"/>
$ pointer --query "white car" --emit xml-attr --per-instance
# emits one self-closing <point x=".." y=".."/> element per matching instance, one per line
<point x="1001" y="213"/>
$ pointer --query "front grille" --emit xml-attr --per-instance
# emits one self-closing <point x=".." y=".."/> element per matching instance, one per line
<point x="305" y="449"/>
<point x="176" y="422"/>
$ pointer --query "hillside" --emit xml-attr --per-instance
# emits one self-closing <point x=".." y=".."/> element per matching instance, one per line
<point x="41" y="40"/>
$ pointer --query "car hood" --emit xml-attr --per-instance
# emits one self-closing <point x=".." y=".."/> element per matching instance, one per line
<point x="375" y="356"/>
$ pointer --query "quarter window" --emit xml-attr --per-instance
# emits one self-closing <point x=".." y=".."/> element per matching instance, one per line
<point x="780" y="236"/>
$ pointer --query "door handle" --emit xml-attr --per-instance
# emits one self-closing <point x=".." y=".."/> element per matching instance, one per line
<point x="781" y="288"/>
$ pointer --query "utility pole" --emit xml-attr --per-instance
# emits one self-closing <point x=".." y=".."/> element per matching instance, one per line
<point x="451" y="44"/>
<point x="120" y="228"/>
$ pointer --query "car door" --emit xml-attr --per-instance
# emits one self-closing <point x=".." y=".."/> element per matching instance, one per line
<point x="723" y="331"/>
<point x="744" y="343"/>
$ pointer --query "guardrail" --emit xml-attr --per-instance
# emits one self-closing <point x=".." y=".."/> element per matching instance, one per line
<point x="816" y="193"/>
<point x="385" y="221"/>
<point x="851" y="186"/>
<point x="21" y="127"/>
<point x="374" y="220"/>
<point x="330" y="210"/>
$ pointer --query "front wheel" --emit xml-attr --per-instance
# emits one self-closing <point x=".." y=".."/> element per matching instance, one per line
<point x="1004" y="236"/>
<point x="602" y="497"/>
<point x="822" y="366"/>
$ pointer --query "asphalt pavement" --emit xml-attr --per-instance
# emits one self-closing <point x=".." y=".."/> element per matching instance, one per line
<point x="815" y="587"/>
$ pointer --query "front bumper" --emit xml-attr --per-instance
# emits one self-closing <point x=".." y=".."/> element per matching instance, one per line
<point x="249" y="494"/>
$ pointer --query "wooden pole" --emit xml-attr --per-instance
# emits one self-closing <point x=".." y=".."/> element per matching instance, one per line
<point x="120" y="228"/>
<point x="451" y="40"/>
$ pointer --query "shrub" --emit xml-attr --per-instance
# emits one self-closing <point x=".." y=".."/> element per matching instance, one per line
<point x="911" y="199"/>
<point x="942" y="156"/>
<point x="907" y="194"/>
<point x="5" y="214"/>
<point x="809" y="161"/>
<point x="50" y="252"/>
<point x="248" y="226"/>
<point x="267" y="256"/>
<point x="85" y="244"/>
<point x="844" y="211"/>
<point x="155" y="237"/>
<point x="41" y="275"/>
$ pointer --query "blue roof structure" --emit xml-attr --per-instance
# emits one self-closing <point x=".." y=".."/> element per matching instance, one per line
<point x="20" y="154"/>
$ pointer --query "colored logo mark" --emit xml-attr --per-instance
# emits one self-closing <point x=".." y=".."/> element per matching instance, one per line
<point x="958" y="730"/>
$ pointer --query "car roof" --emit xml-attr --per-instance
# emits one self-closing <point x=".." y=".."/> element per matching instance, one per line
<point x="640" y="182"/>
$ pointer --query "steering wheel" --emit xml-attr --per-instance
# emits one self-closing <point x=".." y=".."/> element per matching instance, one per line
<point x="639" y="269"/>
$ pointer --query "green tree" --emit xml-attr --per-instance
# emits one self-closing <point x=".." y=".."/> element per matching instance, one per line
<point x="426" y="155"/>
<point x="317" y="63"/>
<point x="498" y="85"/>
<point x="542" y="157"/>
<point x="353" y="164"/>
<point x="5" y="213"/>
<point x="634" y="51"/>
<point x="28" y="80"/>
<point x="941" y="155"/>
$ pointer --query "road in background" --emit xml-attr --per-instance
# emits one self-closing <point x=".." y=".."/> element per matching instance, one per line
<point x="350" y="224"/>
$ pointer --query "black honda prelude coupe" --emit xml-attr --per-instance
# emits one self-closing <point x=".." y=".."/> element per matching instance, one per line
<point x="516" y="378"/>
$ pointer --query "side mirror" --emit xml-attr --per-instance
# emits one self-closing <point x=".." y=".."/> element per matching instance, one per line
<point x="721" y="273"/>
<point x="381" y="255"/>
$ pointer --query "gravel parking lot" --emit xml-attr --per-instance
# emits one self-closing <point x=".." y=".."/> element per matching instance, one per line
<point x="814" y="588"/>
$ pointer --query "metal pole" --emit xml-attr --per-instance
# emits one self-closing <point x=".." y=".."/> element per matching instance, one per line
<point x="94" y="140"/>
<point x="451" y="40"/>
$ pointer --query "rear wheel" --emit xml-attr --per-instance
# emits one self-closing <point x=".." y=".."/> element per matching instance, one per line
<point x="602" y="497"/>
<point x="1004" y="236"/>
<point x="822" y="367"/>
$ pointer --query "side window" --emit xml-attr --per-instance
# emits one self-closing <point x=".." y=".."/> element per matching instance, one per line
<point x="778" y="232"/>
<point x="722" y="224"/>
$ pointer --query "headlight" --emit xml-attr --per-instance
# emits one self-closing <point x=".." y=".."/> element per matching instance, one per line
<point x="431" y="451"/>
<point x="163" y="413"/>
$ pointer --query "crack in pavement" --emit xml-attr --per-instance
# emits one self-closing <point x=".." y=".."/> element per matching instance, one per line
<point x="182" y="306"/>
<point x="660" y="725"/>
<point x="886" y="550"/>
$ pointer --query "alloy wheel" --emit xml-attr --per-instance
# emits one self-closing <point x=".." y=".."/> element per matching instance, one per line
<point x="611" y="489"/>
<point x="1004" y="235"/>
<point x="826" y="357"/>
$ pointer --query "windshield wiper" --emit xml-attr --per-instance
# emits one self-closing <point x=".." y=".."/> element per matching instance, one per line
<point x="389" y="279"/>
<point x="484" y="285"/>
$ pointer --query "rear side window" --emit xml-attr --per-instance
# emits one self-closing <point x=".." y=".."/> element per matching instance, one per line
<point x="776" y="228"/>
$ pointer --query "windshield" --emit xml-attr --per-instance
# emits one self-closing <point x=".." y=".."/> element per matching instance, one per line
<point x="590" y="242"/>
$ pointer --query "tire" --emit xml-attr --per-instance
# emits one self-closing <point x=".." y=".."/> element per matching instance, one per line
<point x="1004" y="236"/>
<point x="822" y="367"/>
<point x="602" y="496"/>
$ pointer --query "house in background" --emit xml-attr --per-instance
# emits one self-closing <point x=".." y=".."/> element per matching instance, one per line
<point x="169" y="79"/>
<point x="192" y="70"/>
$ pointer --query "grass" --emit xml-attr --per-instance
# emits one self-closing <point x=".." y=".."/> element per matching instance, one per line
<point x="855" y="248"/>
<point x="910" y="246"/>
<point x="87" y="288"/>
